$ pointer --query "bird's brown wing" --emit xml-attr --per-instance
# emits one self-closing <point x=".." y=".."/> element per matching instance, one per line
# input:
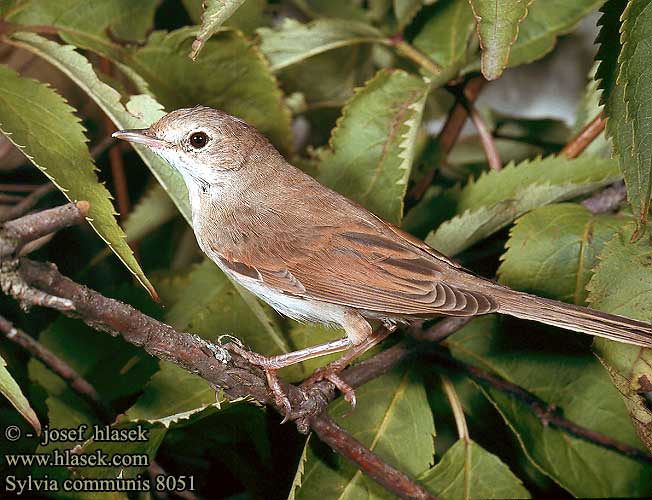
<point x="366" y="264"/>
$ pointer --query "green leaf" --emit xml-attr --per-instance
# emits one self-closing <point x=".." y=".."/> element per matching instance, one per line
<point x="634" y="77"/>
<point x="329" y="79"/>
<point x="11" y="390"/>
<point x="141" y="111"/>
<point x="216" y="12"/>
<point x="445" y="35"/>
<point x="154" y="209"/>
<point x="622" y="284"/>
<point x="292" y="42"/>
<point x="48" y="133"/>
<point x="498" y="24"/>
<point x="552" y="251"/>
<point x="497" y="198"/>
<point x="231" y="75"/>
<point x="172" y="394"/>
<point x="468" y="471"/>
<point x="372" y="147"/>
<point x="393" y="419"/>
<point x="546" y="21"/>
<point x="93" y="24"/>
<point x="405" y="10"/>
<point x="549" y="364"/>
<point x="210" y="307"/>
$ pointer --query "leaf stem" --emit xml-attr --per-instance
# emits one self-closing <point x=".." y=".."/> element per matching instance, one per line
<point x="456" y="406"/>
<point x="414" y="54"/>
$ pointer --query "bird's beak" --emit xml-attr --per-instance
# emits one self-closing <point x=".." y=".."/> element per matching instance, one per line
<point x="141" y="136"/>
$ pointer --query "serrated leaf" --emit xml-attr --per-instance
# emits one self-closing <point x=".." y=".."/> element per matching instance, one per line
<point x="552" y="251"/>
<point x="635" y="78"/>
<point x="247" y="18"/>
<point x="622" y="284"/>
<point x="545" y="22"/>
<point x="298" y="476"/>
<point x="231" y="75"/>
<point x="372" y="147"/>
<point x="498" y="25"/>
<point x="172" y="394"/>
<point x="393" y="419"/>
<point x="446" y="33"/>
<point x="49" y="134"/>
<point x="141" y="111"/>
<point x="564" y="374"/>
<point x="497" y="198"/>
<point x="468" y="471"/>
<point x="216" y="12"/>
<point x="94" y="25"/>
<point x="11" y="390"/>
<point x="292" y="41"/>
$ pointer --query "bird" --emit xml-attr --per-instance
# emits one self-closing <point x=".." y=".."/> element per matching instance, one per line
<point x="318" y="257"/>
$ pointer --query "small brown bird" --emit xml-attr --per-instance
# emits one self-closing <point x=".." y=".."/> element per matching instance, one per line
<point x="316" y="256"/>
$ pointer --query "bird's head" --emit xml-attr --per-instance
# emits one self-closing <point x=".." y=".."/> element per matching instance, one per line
<point x="204" y="144"/>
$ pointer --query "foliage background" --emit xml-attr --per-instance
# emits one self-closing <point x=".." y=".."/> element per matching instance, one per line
<point x="358" y="107"/>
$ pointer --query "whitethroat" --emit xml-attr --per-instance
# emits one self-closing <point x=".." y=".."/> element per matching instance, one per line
<point x="316" y="256"/>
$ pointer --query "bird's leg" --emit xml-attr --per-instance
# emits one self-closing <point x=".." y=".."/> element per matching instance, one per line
<point x="271" y="364"/>
<point x="359" y="329"/>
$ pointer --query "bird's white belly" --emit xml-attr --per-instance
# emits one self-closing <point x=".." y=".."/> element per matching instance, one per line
<point x="299" y="309"/>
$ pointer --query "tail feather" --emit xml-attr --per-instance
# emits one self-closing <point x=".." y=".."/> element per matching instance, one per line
<point x="572" y="317"/>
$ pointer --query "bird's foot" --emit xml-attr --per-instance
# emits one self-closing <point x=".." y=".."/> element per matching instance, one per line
<point x="270" y="367"/>
<point x="331" y="373"/>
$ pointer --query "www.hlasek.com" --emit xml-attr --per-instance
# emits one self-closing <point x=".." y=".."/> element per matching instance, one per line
<point x="61" y="450"/>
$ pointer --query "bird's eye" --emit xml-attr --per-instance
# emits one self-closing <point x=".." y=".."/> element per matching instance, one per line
<point x="198" y="140"/>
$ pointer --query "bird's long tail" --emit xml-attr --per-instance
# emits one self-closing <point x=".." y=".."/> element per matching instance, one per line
<point x="572" y="317"/>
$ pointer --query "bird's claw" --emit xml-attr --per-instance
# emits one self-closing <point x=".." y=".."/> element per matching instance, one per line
<point x="331" y="375"/>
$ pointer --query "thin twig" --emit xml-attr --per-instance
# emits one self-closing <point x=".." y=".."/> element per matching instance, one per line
<point x="548" y="415"/>
<point x="584" y="138"/>
<point x="487" y="140"/>
<point x="448" y="136"/>
<point x="346" y="445"/>
<point x="27" y="203"/>
<point x="10" y="198"/>
<point x="20" y="231"/>
<point x="76" y="382"/>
